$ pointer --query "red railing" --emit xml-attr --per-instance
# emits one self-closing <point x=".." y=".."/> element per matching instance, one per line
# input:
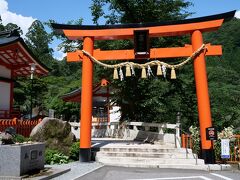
<point x="23" y="127"/>
<point x="235" y="151"/>
<point x="187" y="142"/>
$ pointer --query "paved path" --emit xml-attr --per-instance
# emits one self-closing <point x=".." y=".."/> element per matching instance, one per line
<point x="121" y="173"/>
<point x="77" y="169"/>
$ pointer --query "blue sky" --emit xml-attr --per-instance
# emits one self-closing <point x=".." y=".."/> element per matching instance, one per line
<point x="24" y="12"/>
<point x="63" y="11"/>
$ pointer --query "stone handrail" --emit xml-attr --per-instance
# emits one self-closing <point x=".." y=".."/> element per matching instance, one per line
<point x="134" y="131"/>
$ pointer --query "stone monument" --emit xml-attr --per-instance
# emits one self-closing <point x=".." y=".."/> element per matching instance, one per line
<point x="19" y="159"/>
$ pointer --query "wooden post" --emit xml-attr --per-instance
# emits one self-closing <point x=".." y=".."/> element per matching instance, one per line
<point x="204" y="112"/>
<point x="108" y="105"/>
<point x="11" y="95"/>
<point x="86" y="102"/>
<point x="183" y="136"/>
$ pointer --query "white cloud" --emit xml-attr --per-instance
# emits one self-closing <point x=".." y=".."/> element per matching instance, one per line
<point x="237" y="14"/>
<point x="3" y="6"/>
<point x="11" y="17"/>
<point x="58" y="54"/>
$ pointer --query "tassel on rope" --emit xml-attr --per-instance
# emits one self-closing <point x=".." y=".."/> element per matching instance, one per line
<point x="173" y="73"/>
<point x="128" y="71"/>
<point x="159" y="70"/>
<point x="115" y="74"/>
<point x="144" y="75"/>
<point x="121" y="74"/>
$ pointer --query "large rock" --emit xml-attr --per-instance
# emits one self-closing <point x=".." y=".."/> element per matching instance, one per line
<point x="55" y="133"/>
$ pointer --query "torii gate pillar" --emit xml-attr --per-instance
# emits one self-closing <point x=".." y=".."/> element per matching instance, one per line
<point x="86" y="102"/>
<point x="204" y="112"/>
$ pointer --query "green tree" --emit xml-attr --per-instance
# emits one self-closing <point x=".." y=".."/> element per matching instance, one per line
<point x="38" y="41"/>
<point x="56" y="87"/>
<point x="223" y="74"/>
<point x="139" y="11"/>
<point x="1" y="25"/>
<point x="11" y="26"/>
<point x="62" y="75"/>
<point x="154" y="99"/>
<point x="64" y="78"/>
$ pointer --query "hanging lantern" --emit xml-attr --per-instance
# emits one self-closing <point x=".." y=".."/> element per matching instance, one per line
<point x="128" y="71"/>
<point x="159" y="70"/>
<point x="115" y="74"/>
<point x="144" y="74"/>
<point x="173" y="73"/>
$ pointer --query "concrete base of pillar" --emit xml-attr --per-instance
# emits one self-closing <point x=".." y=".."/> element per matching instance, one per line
<point x="85" y="154"/>
<point x="209" y="156"/>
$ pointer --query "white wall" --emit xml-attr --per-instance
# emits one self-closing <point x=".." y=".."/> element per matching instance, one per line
<point x="4" y="72"/>
<point x="4" y="96"/>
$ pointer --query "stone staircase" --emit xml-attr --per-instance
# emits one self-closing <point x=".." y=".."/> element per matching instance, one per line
<point x="136" y="154"/>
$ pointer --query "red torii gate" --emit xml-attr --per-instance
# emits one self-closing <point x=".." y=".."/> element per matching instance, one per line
<point x="195" y="27"/>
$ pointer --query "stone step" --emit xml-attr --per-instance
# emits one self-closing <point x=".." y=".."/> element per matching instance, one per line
<point x="146" y="154"/>
<point x="142" y="161"/>
<point x="144" y="149"/>
<point x="134" y="154"/>
<point x="166" y="166"/>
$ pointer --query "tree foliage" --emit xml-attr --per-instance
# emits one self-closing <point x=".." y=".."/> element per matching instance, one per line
<point x="155" y="99"/>
<point x="139" y="11"/>
<point x="223" y="74"/>
<point x="38" y="41"/>
<point x="45" y="92"/>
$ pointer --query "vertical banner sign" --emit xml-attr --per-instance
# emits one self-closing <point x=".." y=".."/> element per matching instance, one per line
<point x="225" y="150"/>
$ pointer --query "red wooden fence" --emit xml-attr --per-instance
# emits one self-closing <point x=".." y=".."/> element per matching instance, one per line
<point x="187" y="142"/>
<point x="23" y="127"/>
<point x="235" y="152"/>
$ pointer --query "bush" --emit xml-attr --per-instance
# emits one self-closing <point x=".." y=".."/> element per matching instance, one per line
<point x="226" y="133"/>
<point x="74" y="151"/>
<point x="20" y="139"/>
<point x="55" y="157"/>
<point x="195" y="138"/>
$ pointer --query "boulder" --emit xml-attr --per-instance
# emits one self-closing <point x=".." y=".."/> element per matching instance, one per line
<point x="55" y="133"/>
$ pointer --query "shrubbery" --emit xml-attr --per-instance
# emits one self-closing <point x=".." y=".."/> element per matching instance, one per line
<point x="20" y="138"/>
<point x="55" y="157"/>
<point x="226" y="133"/>
<point x="74" y="151"/>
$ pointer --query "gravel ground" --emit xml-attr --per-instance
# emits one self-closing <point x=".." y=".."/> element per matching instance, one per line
<point x="77" y="169"/>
